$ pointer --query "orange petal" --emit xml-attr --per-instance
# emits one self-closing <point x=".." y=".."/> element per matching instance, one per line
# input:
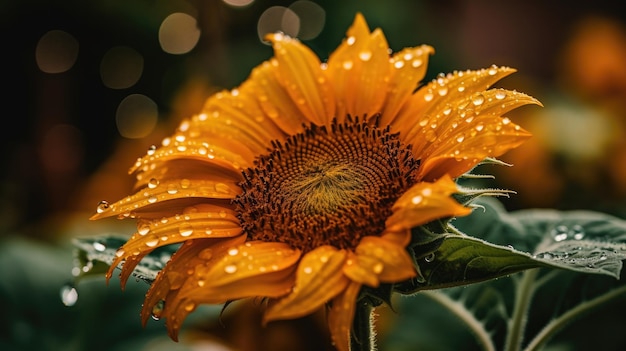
<point x="319" y="278"/>
<point x="472" y="131"/>
<point x="409" y="68"/>
<point x="341" y="315"/>
<point x="200" y="222"/>
<point x="389" y="261"/>
<point x="274" y="99"/>
<point x="360" y="69"/>
<point x="360" y="269"/>
<point x="191" y="143"/>
<point x="185" y="259"/>
<point x="263" y="269"/>
<point x="166" y="197"/>
<point x="425" y="202"/>
<point x="299" y="71"/>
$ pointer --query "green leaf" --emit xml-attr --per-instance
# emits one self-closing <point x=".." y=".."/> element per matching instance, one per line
<point x="529" y="310"/>
<point x="94" y="255"/>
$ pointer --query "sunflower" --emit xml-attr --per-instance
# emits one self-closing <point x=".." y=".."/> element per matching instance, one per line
<point x="302" y="185"/>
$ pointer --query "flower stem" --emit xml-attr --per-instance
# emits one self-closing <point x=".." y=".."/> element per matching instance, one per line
<point x="362" y="336"/>
<point x="517" y="323"/>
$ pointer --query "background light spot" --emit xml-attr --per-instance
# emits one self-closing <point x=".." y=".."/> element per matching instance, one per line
<point x="238" y="3"/>
<point x="179" y="33"/>
<point x="312" y="18"/>
<point x="278" y="19"/>
<point x="136" y="116"/>
<point x="56" y="51"/>
<point x="121" y="67"/>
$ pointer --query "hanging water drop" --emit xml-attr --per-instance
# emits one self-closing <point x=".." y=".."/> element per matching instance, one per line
<point x="430" y="257"/>
<point x="102" y="206"/>
<point x="69" y="295"/>
<point x="157" y="310"/>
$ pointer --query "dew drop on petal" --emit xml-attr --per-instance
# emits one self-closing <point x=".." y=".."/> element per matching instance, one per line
<point x="157" y="310"/>
<point x="120" y="253"/>
<point x="378" y="268"/>
<point x="230" y="268"/>
<point x="307" y="270"/>
<point x="185" y="229"/>
<point x="152" y="242"/>
<point x="152" y="150"/>
<point x="478" y="99"/>
<point x="102" y="206"/>
<point x="234" y="251"/>
<point x="365" y="55"/>
<point x="398" y="64"/>
<point x="153" y="183"/>
<point x="143" y="229"/>
<point x="347" y="64"/>
<point x="500" y="95"/>
<point x="351" y="40"/>
<point x="416" y="200"/>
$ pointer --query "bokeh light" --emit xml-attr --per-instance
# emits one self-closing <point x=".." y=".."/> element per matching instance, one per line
<point x="136" y="116"/>
<point x="278" y="19"/>
<point x="238" y="3"/>
<point x="179" y="33"/>
<point x="56" y="51"/>
<point x="121" y="67"/>
<point x="312" y="18"/>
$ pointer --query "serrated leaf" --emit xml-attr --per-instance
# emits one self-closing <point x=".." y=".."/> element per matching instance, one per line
<point x="97" y="254"/>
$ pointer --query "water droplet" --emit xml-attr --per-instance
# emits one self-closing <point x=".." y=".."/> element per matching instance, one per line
<point x="190" y="306"/>
<point x="398" y="64"/>
<point x="120" y="253"/>
<point x="442" y="91"/>
<point x="143" y="229"/>
<point x="152" y="150"/>
<point x="347" y="64"/>
<point x="430" y="257"/>
<point x="99" y="246"/>
<point x="416" y="200"/>
<point x="230" y="268"/>
<point x="69" y="295"/>
<point x="152" y="199"/>
<point x="460" y="138"/>
<point x="428" y="96"/>
<point x="307" y="270"/>
<point x="478" y="99"/>
<point x="351" y="40"/>
<point x="185" y="229"/>
<point x="500" y="95"/>
<point x="152" y="242"/>
<point x="157" y="310"/>
<point x="234" y="251"/>
<point x="365" y="55"/>
<point x="416" y="63"/>
<point x="492" y="70"/>
<point x="206" y="254"/>
<point x="577" y="232"/>
<point x="102" y="206"/>
<point x="560" y="233"/>
<point x="185" y="183"/>
<point x="153" y="183"/>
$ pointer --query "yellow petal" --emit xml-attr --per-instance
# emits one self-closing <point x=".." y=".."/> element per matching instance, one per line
<point x="299" y="70"/>
<point x="221" y="155"/>
<point x="341" y="315"/>
<point x="167" y="197"/>
<point x="408" y="69"/>
<point x="185" y="259"/>
<point x="360" y="69"/>
<point x="274" y="99"/>
<point x="360" y="269"/>
<point x="253" y="269"/>
<point x="319" y="278"/>
<point x="425" y="202"/>
<point x="471" y="131"/>
<point x="389" y="261"/>
<point x="201" y="222"/>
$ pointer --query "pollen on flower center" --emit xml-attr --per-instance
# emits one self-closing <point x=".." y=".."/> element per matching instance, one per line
<point x="326" y="186"/>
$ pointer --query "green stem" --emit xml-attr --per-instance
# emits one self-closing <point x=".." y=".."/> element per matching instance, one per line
<point x="517" y="323"/>
<point x="558" y="324"/>
<point x="477" y="328"/>
<point x="362" y="336"/>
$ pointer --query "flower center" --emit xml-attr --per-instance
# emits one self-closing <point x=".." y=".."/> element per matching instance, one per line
<point x="326" y="187"/>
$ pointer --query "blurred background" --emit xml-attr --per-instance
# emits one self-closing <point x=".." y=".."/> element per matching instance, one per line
<point x="89" y="86"/>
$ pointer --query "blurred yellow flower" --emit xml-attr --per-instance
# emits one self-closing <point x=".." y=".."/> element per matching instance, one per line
<point x="303" y="184"/>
